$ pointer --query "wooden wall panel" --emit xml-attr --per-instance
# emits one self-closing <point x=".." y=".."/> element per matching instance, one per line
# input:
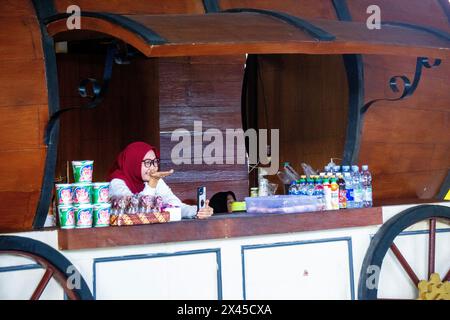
<point x="307" y="100"/>
<point x="129" y="112"/>
<point x="207" y="90"/>
<point x="135" y="6"/>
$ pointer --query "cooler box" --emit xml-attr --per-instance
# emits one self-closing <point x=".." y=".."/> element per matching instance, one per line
<point x="284" y="204"/>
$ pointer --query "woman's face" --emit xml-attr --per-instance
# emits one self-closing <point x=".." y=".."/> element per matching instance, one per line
<point x="146" y="172"/>
<point x="230" y="200"/>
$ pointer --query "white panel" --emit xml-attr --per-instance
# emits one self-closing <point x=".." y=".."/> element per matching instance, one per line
<point x="304" y="271"/>
<point x="20" y="285"/>
<point x="191" y="276"/>
<point x="394" y="281"/>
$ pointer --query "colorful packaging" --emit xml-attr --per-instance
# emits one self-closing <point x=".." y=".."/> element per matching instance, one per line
<point x="66" y="217"/>
<point x="81" y="193"/>
<point x="82" y="170"/>
<point x="83" y="216"/>
<point x="100" y="192"/>
<point x="63" y="194"/>
<point x="101" y="214"/>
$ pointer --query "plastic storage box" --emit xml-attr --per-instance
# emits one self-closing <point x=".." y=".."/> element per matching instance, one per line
<point x="284" y="204"/>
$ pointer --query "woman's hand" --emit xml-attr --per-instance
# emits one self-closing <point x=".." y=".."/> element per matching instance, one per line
<point x="205" y="212"/>
<point x="154" y="177"/>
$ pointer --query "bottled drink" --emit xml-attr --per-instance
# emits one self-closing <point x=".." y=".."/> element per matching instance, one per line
<point x="302" y="186"/>
<point x="318" y="187"/>
<point x="310" y="187"/>
<point x="336" y="170"/>
<point x="290" y="172"/>
<point x="334" y="194"/>
<point x="349" y="190"/>
<point x="357" y="187"/>
<point x="327" y="194"/>
<point x="366" y="179"/>
<point x="342" y="192"/>
<point x="292" y="188"/>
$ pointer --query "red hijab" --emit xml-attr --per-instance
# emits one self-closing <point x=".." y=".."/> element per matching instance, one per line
<point x="128" y="165"/>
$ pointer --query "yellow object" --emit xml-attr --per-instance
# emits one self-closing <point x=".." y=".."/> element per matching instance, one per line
<point x="447" y="197"/>
<point x="238" y="206"/>
<point x="434" y="289"/>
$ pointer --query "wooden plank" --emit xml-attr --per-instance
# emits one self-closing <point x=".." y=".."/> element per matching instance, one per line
<point x="17" y="210"/>
<point x="423" y="184"/>
<point x="390" y="123"/>
<point x="135" y="7"/>
<point x="428" y="13"/>
<point x="20" y="38"/>
<point x="311" y="9"/>
<point x="221" y="227"/>
<point x="387" y="158"/>
<point x="20" y="127"/>
<point x="22" y="170"/>
<point x="17" y="9"/>
<point x="22" y="83"/>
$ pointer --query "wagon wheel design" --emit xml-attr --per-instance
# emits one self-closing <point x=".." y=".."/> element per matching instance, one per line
<point x="54" y="263"/>
<point x="384" y="240"/>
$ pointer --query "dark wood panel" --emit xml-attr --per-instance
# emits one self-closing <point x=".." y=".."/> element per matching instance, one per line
<point x="17" y="9"/>
<point x="22" y="169"/>
<point x="22" y="82"/>
<point x="423" y="184"/>
<point x="20" y="38"/>
<point x="187" y="191"/>
<point x="308" y="8"/>
<point x="20" y="127"/>
<point x="307" y="100"/>
<point x="220" y="227"/>
<point x="135" y="6"/>
<point x="17" y="210"/>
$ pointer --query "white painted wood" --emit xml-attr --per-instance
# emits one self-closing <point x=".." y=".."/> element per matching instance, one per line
<point x="176" y="277"/>
<point x="302" y="271"/>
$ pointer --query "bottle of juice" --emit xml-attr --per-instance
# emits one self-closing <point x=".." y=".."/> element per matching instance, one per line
<point x="334" y="194"/>
<point x="342" y="192"/>
<point x="327" y="194"/>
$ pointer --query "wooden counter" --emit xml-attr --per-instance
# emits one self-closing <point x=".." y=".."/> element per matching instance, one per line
<point x="217" y="227"/>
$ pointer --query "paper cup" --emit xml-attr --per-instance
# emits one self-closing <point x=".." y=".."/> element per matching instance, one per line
<point x="66" y="217"/>
<point x="100" y="192"/>
<point x="81" y="193"/>
<point x="63" y="194"/>
<point x="83" y="216"/>
<point x="82" y="170"/>
<point x="101" y="214"/>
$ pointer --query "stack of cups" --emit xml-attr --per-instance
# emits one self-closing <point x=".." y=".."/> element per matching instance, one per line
<point x="83" y="204"/>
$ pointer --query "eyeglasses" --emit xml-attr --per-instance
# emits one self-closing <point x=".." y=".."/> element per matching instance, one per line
<point x="151" y="162"/>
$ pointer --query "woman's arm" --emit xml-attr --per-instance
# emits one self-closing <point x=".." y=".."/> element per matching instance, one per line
<point x="118" y="188"/>
<point x="163" y="190"/>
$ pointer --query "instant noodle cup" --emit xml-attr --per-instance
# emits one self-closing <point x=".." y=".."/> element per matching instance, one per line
<point x="82" y="170"/>
<point x="100" y="192"/>
<point x="63" y="194"/>
<point x="101" y="213"/>
<point x="81" y="193"/>
<point x="66" y="217"/>
<point x="83" y="216"/>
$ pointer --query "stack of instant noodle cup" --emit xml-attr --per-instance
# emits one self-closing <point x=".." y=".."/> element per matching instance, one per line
<point x="83" y="204"/>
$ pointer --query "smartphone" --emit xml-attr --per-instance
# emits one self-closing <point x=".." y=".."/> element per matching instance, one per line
<point x="201" y="197"/>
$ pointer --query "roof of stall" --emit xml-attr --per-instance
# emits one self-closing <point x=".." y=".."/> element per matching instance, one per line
<point x="254" y="31"/>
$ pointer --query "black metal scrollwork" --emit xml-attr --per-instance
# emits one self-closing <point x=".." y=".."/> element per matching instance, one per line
<point x="408" y="87"/>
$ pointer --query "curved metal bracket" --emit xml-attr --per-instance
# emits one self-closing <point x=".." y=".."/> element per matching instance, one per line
<point x="302" y="24"/>
<point x="408" y="87"/>
<point x="98" y="91"/>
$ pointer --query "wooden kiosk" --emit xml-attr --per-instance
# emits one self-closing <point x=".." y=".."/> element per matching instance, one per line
<point x="139" y="70"/>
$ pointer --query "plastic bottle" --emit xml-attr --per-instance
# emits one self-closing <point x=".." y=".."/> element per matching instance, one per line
<point x="292" y="188"/>
<point x="366" y="179"/>
<point x="302" y="186"/>
<point x="318" y="187"/>
<point x="290" y="172"/>
<point x="349" y="190"/>
<point x="310" y="187"/>
<point x="334" y="194"/>
<point x="357" y="187"/>
<point x="336" y="170"/>
<point x="327" y="194"/>
<point x="342" y="192"/>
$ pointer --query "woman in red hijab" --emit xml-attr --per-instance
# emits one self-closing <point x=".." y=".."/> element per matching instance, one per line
<point x="136" y="171"/>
